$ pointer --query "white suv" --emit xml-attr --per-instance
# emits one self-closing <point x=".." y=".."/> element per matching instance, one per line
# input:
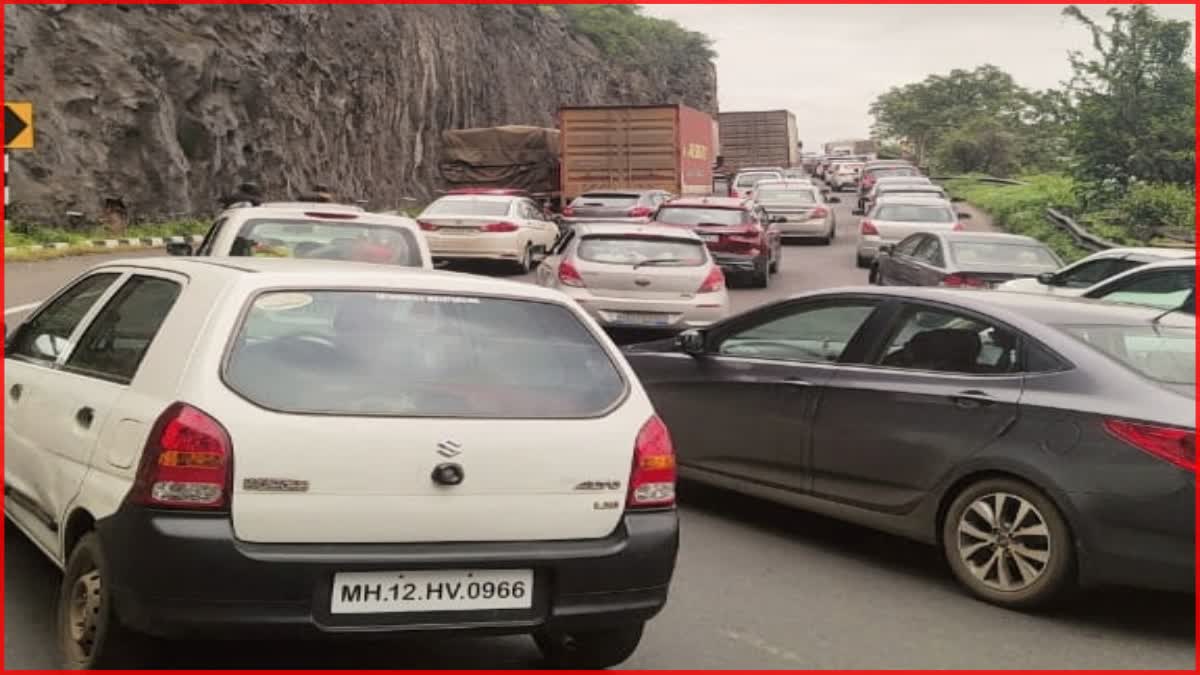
<point x="317" y="231"/>
<point x="281" y="447"/>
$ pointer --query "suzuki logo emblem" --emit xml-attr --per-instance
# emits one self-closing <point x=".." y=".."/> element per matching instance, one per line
<point x="449" y="449"/>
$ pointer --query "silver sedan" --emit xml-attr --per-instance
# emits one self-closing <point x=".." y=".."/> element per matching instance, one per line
<point x="798" y="209"/>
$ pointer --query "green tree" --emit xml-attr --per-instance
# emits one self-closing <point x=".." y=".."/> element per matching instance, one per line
<point x="1135" y="102"/>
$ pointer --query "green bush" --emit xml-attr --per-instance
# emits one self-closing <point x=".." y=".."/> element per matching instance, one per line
<point x="624" y="34"/>
<point x="31" y="234"/>
<point x="1021" y="209"/>
<point x="1148" y="207"/>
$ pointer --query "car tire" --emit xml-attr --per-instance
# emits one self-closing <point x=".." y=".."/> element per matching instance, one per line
<point x="774" y="267"/>
<point x="761" y="276"/>
<point x="90" y="634"/>
<point x="863" y="263"/>
<point x="873" y="276"/>
<point x="1027" y="571"/>
<point x="588" y="650"/>
<point x="525" y="264"/>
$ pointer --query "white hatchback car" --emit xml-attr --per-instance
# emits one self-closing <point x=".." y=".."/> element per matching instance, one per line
<point x="894" y="218"/>
<point x="317" y="231"/>
<point x="507" y="228"/>
<point x="1082" y="275"/>
<point x="657" y="277"/>
<point x="271" y="447"/>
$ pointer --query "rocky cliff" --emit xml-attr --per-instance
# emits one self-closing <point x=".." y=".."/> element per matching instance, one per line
<point x="169" y="107"/>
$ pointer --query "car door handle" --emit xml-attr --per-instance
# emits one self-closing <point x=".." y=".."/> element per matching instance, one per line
<point x="794" y="382"/>
<point x="15" y="392"/>
<point x="972" y="398"/>
<point x="84" y="417"/>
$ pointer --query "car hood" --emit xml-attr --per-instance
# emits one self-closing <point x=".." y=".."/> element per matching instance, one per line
<point x="1034" y="286"/>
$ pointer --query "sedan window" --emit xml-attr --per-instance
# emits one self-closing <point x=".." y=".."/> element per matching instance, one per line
<point x="806" y="334"/>
<point x="1095" y="271"/>
<point x="114" y="344"/>
<point x="46" y="336"/>
<point x="691" y="216"/>
<point x="468" y="207"/>
<point x="1166" y="290"/>
<point x="943" y="341"/>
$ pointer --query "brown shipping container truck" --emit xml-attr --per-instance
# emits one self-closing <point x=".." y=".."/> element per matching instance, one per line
<point x="501" y="157"/>
<point x="759" y="138"/>
<point x="663" y="147"/>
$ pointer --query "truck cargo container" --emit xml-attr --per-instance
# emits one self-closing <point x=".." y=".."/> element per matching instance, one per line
<point x="653" y="147"/>
<point x="509" y="157"/>
<point x="759" y="138"/>
<point x="852" y="146"/>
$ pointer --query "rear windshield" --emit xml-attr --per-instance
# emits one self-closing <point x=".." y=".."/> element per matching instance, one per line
<point x="910" y="190"/>
<point x="886" y="171"/>
<point x="1164" y="354"/>
<point x="914" y="213"/>
<point x="696" y="215"/>
<point x="751" y="179"/>
<point x="778" y="196"/>
<point x="613" y="200"/>
<point x="468" y="207"/>
<point x="1020" y="255"/>
<point x="627" y="250"/>
<point x="409" y="355"/>
<point x="320" y="240"/>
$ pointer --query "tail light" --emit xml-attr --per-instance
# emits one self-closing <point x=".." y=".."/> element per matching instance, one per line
<point x="714" y="282"/>
<point x="819" y="212"/>
<point x="962" y="281"/>
<point x="958" y="227"/>
<point x="641" y="212"/>
<point x="568" y="275"/>
<point x="652" y="481"/>
<point x="500" y="227"/>
<point x="867" y="227"/>
<point x="1171" y="444"/>
<point x="427" y="226"/>
<point x="187" y="463"/>
<point x="568" y="211"/>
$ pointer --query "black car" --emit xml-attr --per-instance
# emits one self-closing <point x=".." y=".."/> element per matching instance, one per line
<point x="1040" y="442"/>
<point x="961" y="260"/>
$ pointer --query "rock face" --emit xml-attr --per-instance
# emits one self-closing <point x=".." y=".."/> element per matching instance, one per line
<point x="169" y="107"/>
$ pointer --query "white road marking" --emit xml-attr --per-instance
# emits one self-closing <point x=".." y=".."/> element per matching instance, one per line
<point x="764" y="646"/>
<point x="20" y="308"/>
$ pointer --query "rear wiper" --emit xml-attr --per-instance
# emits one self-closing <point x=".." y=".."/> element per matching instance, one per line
<point x="713" y="225"/>
<point x="657" y="261"/>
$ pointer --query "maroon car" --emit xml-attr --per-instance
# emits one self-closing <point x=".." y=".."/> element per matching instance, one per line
<point x="738" y="233"/>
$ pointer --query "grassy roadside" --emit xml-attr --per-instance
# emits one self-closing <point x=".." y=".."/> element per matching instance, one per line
<point x="1020" y="209"/>
<point x="24" y="237"/>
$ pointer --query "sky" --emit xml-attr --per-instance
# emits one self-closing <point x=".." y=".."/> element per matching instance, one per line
<point x="826" y="63"/>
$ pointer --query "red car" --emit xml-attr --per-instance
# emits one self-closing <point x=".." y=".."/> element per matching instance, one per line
<point x="739" y="235"/>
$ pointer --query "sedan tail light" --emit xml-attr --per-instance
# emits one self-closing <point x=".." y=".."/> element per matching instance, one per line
<point x="819" y="212"/>
<point x="652" y="480"/>
<point x="958" y="227"/>
<point x="427" y="226"/>
<point x="1170" y="444"/>
<point x="500" y="227"/>
<point x="714" y="282"/>
<point x="568" y="211"/>
<point x="641" y="212"/>
<point x="867" y="227"/>
<point x="568" y="275"/>
<point x="962" y="281"/>
<point x="187" y="462"/>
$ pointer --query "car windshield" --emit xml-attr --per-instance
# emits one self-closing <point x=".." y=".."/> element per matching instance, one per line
<point x="607" y="199"/>
<point x="913" y="213"/>
<point x="1164" y="354"/>
<point x="697" y="215"/>
<point x="911" y="190"/>
<point x="409" y="355"/>
<point x="468" y="207"/>
<point x="631" y="250"/>
<point x="320" y="240"/>
<point x="889" y="171"/>
<point x="1019" y="255"/>
<point x="769" y="195"/>
<point x="747" y="180"/>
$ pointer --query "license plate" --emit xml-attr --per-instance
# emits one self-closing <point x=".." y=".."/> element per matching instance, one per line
<point x="431" y="591"/>
<point x="640" y="318"/>
<point x="710" y="237"/>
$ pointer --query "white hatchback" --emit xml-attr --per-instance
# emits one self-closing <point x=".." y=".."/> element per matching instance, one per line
<point x="280" y="447"/>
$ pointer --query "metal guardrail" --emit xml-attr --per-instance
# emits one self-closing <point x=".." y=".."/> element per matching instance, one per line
<point x="1082" y="237"/>
<point x="981" y="179"/>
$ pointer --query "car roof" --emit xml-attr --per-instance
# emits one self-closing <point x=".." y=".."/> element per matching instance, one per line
<point x="987" y="237"/>
<point x="651" y="229"/>
<point x="799" y="184"/>
<point x="259" y="273"/>
<point x="307" y="206"/>
<point x="311" y="212"/>
<point x="748" y="169"/>
<point x="477" y="198"/>
<point x="1151" y="251"/>
<point x="709" y="202"/>
<point x="621" y="191"/>
<point x="907" y="198"/>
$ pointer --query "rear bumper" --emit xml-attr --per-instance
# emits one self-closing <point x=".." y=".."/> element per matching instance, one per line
<point x="803" y="228"/>
<point x="176" y="576"/>
<point x="736" y="262"/>
<point x="703" y="311"/>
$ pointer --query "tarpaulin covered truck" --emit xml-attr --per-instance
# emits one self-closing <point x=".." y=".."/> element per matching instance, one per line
<point x="511" y="157"/>
<point x="759" y="138"/>
<point x="654" y="147"/>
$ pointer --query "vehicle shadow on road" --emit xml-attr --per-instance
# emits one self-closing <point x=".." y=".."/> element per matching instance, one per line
<point x="1136" y="612"/>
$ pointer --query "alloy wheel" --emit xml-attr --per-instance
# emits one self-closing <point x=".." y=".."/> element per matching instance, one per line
<point x="1004" y="542"/>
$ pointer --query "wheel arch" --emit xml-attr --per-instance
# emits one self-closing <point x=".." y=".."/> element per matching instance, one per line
<point x="962" y="482"/>
<point x="78" y="523"/>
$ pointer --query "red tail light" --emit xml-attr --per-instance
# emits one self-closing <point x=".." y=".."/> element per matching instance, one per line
<point x="962" y="281"/>
<point x="641" y="212"/>
<point x="187" y="463"/>
<point x="714" y="282"/>
<point x="500" y="227"/>
<point x="568" y="211"/>
<point x="427" y="226"/>
<point x="652" y="481"/>
<point x="819" y="212"/>
<point x="958" y="227"/>
<point x="568" y="275"/>
<point x="1171" y="444"/>
<point x="867" y="227"/>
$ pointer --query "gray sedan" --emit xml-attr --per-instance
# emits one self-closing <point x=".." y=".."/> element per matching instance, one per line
<point x="1041" y="443"/>
<point x="961" y="260"/>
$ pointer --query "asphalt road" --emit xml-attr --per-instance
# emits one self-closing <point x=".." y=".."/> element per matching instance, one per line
<point x="757" y="585"/>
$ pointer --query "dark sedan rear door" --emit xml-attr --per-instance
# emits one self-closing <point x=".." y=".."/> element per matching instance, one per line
<point x="941" y="385"/>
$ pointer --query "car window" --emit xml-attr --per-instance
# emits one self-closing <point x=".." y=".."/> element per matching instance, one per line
<point x="420" y="355"/>
<point x="354" y="241"/>
<point x="986" y="252"/>
<point x="46" y="335"/>
<point x="606" y="199"/>
<point x="690" y="215"/>
<point x="777" y="196"/>
<point x="909" y="245"/>
<point x="1161" y="353"/>
<point x="945" y="341"/>
<point x="633" y="250"/>
<point x="807" y="334"/>
<point x="930" y="252"/>
<point x="1166" y="289"/>
<point x="747" y="180"/>
<point x="114" y="343"/>
<point x="1095" y="271"/>
<point x="913" y="213"/>
<point x="206" y="245"/>
<point x="459" y="206"/>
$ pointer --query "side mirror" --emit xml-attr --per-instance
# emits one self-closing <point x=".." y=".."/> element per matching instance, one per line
<point x="886" y="249"/>
<point x="963" y="215"/>
<point x="956" y="199"/>
<point x="858" y="212"/>
<point x="179" y="248"/>
<point x="1048" y="278"/>
<point x="691" y="342"/>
